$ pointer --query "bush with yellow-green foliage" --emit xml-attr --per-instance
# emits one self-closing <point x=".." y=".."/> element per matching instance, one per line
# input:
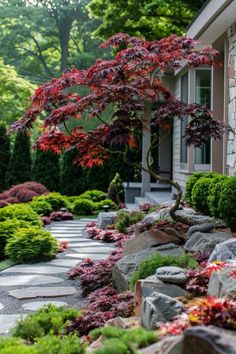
<point x="20" y="212"/>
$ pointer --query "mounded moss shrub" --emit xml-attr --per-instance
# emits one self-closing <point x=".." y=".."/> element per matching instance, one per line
<point x="31" y="245"/>
<point x="56" y="200"/>
<point x="7" y="229"/>
<point x="84" y="206"/>
<point x="215" y="189"/>
<point x="56" y="345"/>
<point x="227" y="202"/>
<point x="109" y="202"/>
<point x="126" y="218"/>
<point x="20" y="212"/>
<point x="148" y="266"/>
<point x="41" y="207"/>
<point x="47" y="320"/>
<point x="200" y="194"/>
<point x="94" y="195"/>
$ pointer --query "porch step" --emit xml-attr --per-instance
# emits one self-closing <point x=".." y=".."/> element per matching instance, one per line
<point x="158" y="197"/>
<point x="131" y="206"/>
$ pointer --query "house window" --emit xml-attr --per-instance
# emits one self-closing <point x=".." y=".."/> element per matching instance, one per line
<point x="203" y="96"/>
<point x="184" y="121"/>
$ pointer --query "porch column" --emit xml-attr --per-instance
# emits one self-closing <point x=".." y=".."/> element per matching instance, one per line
<point x="146" y="141"/>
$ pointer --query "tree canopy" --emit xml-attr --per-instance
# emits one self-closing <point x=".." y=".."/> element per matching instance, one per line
<point x="153" y="19"/>
<point x="15" y="93"/>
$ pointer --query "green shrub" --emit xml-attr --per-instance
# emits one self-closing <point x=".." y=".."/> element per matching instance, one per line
<point x="109" y="202"/>
<point x="117" y="340"/>
<point x="7" y="229"/>
<point x="116" y="190"/>
<point x="55" y="345"/>
<point x="47" y="320"/>
<point x="200" y="194"/>
<point x="227" y="202"/>
<point x="148" y="266"/>
<point x="31" y="245"/>
<point x="84" y="206"/>
<point x="94" y="195"/>
<point x="21" y="212"/>
<point x="192" y="180"/>
<point x="56" y="200"/>
<point x="41" y="207"/>
<point x="126" y="218"/>
<point x="215" y="189"/>
<point x="9" y="345"/>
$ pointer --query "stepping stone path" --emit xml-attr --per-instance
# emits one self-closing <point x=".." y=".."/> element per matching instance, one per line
<point x="47" y="282"/>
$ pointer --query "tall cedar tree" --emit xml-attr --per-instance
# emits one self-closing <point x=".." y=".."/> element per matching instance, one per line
<point x="19" y="169"/>
<point x="73" y="177"/>
<point x="46" y="169"/>
<point x="5" y="154"/>
<point x="132" y="83"/>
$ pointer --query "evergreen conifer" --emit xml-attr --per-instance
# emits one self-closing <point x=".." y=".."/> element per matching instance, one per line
<point x="19" y="169"/>
<point x="46" y="169"/>
<point x="4" y="154"/>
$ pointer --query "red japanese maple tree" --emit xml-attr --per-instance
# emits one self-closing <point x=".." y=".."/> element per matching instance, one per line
<point x="132" y="83"/>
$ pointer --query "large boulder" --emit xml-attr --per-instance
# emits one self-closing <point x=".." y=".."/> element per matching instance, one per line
<point x="205" y="242"/>
<point x="127" y="265"/>
<point x="106" y="219"/>
<point x="202" y="228"/>
<point x="208" y="340"/>
<point x="224" y="251"/>
<point x="159" y="308"/>
<point x="222" y="283"/>
<point x="166" y="345"/>
<point x="171" y="274"/>
<point x="188" y="213"/>
<point x="148" y="239"/>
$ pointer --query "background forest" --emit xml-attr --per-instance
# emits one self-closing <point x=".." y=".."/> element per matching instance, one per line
<point x="40" y="39"/>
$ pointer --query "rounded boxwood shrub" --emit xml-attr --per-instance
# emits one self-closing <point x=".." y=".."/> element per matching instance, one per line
<point x="21" y="212"/>
<point x="84" y="206"/>
<point x="95" y="195"/>
<point x="41" y="207"/>
<point x="215" y="189"/>
<point x="200" y="194"/>
<point x="227" y="202"/>
<point x="56" y="200"/>
<point x="31" y="245"/>
<point x="7" y="229"/>
<point x="109" y="202"/>
<point x="192" y="180"/>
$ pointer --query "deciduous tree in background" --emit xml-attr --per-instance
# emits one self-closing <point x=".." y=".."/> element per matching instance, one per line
<point x="132" y="83"/>
<point x="4" y="154"/>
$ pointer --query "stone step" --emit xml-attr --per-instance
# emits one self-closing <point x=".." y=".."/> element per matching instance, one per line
<point x="93" y="250"/>
<point x="7" y="322"/>
<point x="26" y="280"/>
<point x="34" y="292"/>
<point x="158" y="197"/>
<point x="66" y="262"/>
<point x="79" y="257"/>
<point x="91" y="245"/>
<point x="35" y="269"/>
<point x="36" y="305"/>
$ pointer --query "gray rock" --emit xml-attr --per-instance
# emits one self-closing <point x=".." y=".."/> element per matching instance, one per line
<point x="202" y="228"/>
<point x="158" y="215"/>
<point x="171" y="274"/>
<point x="127" y="265"/>
<point x="205" y="242"/>
<point x="30" y="293"/>
<point x="150" y="285"/>
<point x="208" y="340"/>
<point x="1" y="306"/>
<point x="166" y="345"/>
<point x="224" y="251"/>
<point x="105" y="219"/>
<point x="159" y="308"/>
<point x="222" y="284"/>
<point x="192" y="217"/>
